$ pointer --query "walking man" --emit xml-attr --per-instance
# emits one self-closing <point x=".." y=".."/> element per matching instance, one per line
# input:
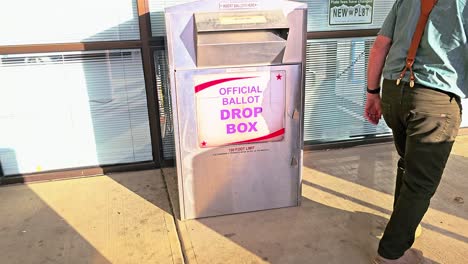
<point x="425" y="77"/>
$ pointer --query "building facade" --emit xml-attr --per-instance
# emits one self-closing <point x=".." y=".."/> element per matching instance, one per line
<point x="84" y="88"/>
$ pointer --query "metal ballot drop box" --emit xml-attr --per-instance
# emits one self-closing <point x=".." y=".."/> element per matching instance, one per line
<point x="237" y="84"/>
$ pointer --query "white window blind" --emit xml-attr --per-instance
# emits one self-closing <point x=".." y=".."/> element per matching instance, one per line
<point x="335" y="91"/>
<point x="73" y="109"/>
<point x="58" y="21"/>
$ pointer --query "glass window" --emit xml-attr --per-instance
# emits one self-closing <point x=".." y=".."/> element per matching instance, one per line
<point x="156" y="7"/>
<point x="58" y="21"/>
<point x="322" y="16"/>
<point x="72" y="109"/>
<point x="318" y="15"/>
<point x="335" y="91"/>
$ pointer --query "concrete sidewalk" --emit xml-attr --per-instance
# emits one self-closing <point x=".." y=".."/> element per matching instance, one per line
<point x="128" y="218"/>
<point x="121" y="218"/>
<point x="347" y="198"/>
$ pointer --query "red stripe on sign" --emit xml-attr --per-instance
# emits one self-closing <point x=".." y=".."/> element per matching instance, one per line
<point x="272" y="135"/>
<point x="203" y="86"/>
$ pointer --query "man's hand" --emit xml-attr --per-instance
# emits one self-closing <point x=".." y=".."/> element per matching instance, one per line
<point x="373" y="110"/>
<point x="376" y="63"/>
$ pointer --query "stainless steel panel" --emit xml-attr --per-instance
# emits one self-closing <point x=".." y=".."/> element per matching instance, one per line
<point x="251" y="20"/>
<point x="216" y="183"/>
<point x="255" y="47"/>
<point x="221" y="180"/>
<point x="240" y="37"/>
<point x="180" y="25"/>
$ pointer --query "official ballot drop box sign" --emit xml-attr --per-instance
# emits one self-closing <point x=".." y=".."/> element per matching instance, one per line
<point x="237" y="83"/>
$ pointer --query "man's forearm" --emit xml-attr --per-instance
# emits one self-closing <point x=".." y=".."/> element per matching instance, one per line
<point x="377" y="57"/>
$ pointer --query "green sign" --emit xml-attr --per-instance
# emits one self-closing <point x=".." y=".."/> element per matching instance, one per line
<point x="351" y="12"/>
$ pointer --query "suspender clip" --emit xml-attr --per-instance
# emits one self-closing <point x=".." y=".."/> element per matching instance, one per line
<point x="426" y="8"/>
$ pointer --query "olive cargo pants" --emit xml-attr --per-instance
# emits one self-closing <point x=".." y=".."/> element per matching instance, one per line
<point x="425" y="123"/>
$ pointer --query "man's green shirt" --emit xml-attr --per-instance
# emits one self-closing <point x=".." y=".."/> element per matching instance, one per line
<point x="442" y="57"/>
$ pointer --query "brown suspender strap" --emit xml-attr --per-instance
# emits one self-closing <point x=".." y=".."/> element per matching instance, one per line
<point x="426" y="8"/>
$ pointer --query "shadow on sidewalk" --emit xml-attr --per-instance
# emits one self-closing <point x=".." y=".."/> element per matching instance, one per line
<point x="347" y="200"/>
<point x="33" y="232"/>
<point x="318" y="231"/>
<point x="374" y="167"/>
